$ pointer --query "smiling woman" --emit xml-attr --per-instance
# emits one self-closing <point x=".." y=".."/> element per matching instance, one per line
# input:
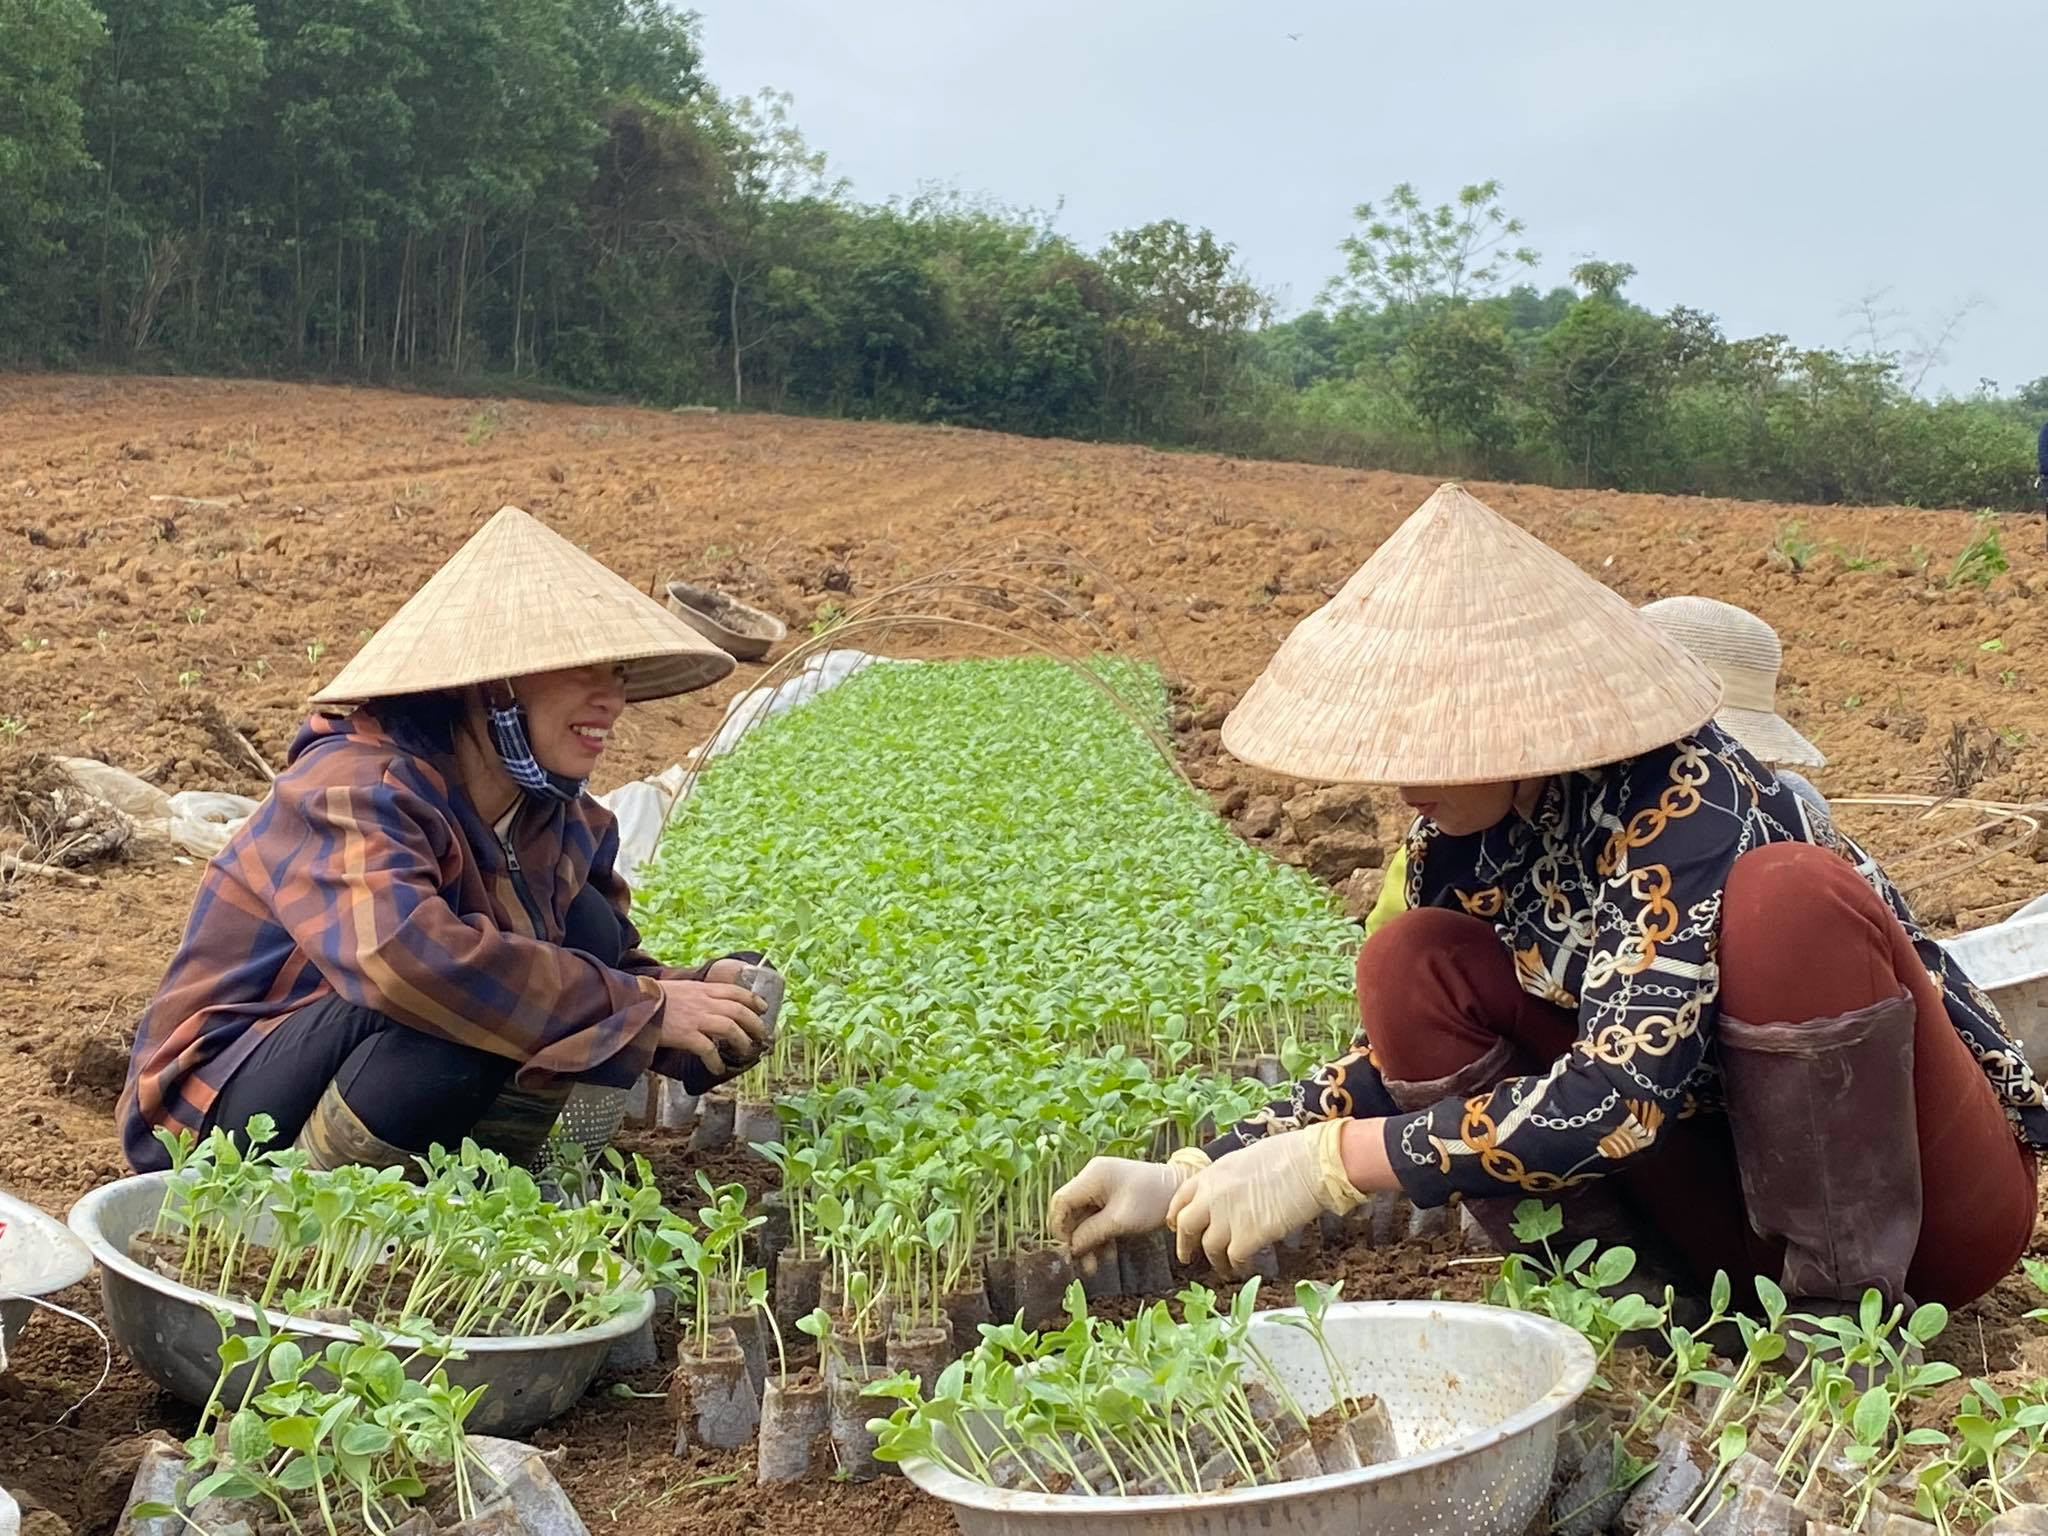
<point x="421" y="935"/>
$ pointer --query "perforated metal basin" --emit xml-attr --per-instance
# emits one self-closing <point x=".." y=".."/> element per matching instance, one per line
<point x="1476" y="1394"/>
<point x="37" y="1256"/>
<point x="169" y="1330"/>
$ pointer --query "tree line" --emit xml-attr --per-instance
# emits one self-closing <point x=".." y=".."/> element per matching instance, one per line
<point x="488" y="191"/>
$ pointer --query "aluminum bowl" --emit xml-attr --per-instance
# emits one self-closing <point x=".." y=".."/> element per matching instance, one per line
<point x="37" y="1256"/>
<point x="1476" y="1394"/>
<point x="169" y="1331"/>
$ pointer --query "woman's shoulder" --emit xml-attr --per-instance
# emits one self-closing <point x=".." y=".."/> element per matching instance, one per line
<point x="351" y="753"/>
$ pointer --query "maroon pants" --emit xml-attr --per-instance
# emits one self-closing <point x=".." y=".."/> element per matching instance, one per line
<point x="1803" y="937"/>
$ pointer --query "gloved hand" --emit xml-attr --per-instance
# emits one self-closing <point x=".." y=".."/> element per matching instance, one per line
<point x="1261" y="1193"/>
<point x="1115" y="1195"/>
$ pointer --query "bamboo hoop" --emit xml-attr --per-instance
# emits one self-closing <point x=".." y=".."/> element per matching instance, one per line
<point x="2023" y="822"/>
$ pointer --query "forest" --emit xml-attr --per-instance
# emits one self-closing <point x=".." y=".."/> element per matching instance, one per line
<point x="506" y="194"/>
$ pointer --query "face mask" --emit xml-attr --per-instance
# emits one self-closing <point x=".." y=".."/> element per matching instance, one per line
<point x="508" y="735"/>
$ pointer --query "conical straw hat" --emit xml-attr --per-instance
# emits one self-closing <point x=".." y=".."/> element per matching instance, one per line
<point x="520" y="598"/>
<point x="1745" y="653"/>
<point x="1465" y="651"/>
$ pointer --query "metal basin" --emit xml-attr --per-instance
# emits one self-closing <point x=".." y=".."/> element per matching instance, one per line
<point x="1477" y="1395"/>
<point x="37" y="1256"/>
<point x="169" y="1331"/>
<point x="742" y="632"/>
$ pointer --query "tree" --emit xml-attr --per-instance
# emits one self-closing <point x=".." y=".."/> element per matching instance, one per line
<point x="1457" y="368"/>
<point x="1603" y="279"/>
<point x="1405" y="253"/>
<point x="44" y="46"/>
<point x="1600" y="379"/>
<point x="764" y="164"/>
<point x="173" y="77"/>
<point x="1183" y="310"/>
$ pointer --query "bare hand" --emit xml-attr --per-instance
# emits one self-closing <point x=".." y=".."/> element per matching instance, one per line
<point x="702" y="1016"/>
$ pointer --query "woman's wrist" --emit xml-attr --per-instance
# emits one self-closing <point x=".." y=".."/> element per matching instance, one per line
<point x="1364" y="1151"/>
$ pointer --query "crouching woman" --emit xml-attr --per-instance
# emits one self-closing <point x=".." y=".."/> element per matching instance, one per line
<point x="420" y="936"/>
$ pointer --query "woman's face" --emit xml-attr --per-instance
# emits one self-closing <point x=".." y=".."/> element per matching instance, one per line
<point x="1463" y="809"/>
<point x="570" y="714"/>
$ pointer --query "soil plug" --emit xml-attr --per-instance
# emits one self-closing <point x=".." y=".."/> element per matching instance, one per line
<point x="1267" y="1069"/>
<point x="635" y="1352"/>
<point x="851" y="1406"/>
<point x="156" y="1482"/>
<point x="1101" y="1272"/>
<point x="1218" y="1473"/>
<point x="675" y="1107"/>
<point x="796" y="1425"/>
<point x="755" y="1121"/>
<point x="1385" y="1218"/>
<point x="722" y="1408"/>
<point x="922" y="1352"/>
<point x="2020" y="1520"/>
<point x="966" y="1310"/>
<point x="999" y="1279"/>
<point x="1145" y="1260"/>
<point x="1265" y="1263"/>
<point x="1759" y="1511"/>
<point x="1590" y="1501"/>
<point x="1372" y="1432"/>
<point x="497" y="1518"/>
<point x="798" y="1286"/>
<point x="1426" y="1223"/>
<point x="852" y="1354"/>
<point x="1043" y="1275"/>
<point x="639" y="1101"/>
<point x="715" y="1112"/>
<point x="524" y="1479"/>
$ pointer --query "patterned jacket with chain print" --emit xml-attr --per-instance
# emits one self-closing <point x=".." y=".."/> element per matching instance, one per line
<point x="1608" y="896"/>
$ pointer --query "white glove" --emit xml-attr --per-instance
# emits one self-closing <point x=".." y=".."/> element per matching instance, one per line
<point x="1260" y="1194"/>
<point x="1115" y="1195"/>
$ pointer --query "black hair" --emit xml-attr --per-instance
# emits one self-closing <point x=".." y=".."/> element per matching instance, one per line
<point x="427" y="720"/>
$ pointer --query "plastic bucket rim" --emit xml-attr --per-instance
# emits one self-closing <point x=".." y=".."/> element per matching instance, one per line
<point x="75" y="1254"/>
<point x="1571" y="1385"/>
<point x="84" y="1222"/>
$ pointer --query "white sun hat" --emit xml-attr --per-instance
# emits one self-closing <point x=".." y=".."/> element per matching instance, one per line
<point x="1745" y="653"/>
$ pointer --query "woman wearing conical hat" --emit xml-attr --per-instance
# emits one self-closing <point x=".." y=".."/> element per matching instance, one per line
<point x="420" y="935"/>
<point x="1640" y="976"/>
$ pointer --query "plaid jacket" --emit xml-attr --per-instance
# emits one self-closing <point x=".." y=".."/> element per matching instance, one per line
<point x="367" y="873"/>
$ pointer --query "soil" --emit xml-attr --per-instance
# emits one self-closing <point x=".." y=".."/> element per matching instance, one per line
<point x="183" y="561"/>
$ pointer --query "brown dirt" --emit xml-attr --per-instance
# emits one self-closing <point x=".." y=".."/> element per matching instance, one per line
<point x="149" y="632"/>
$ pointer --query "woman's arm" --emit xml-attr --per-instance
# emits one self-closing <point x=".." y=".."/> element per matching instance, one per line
<point x="357" y="882"/>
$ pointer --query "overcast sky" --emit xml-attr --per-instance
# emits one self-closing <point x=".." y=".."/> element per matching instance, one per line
<point x="1768" y="162"/>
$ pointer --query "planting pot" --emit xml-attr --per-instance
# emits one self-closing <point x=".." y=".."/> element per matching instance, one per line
<point x="1298" y="1462"/>
<point x="1267" y="1069"/>
<point x="850" y="1405"/>
<point x="168" y="1329"/>
<point x="1101" y="1272"/>
<point x="1330" y="1436"/>
<point x="715" y="1114"/>
<point x="516" y="1493"/>
<point x="1475" y="1393"/>
<point x="635" y="1352"/>
<point x="1145" y="1262"/>
<point x="1042" y="1278"/>
<point x="720" y="1409"/>
<point x="853" y="1353"/>
<point x="748" y="1333"/>
<point x="772" y="1236"/>
<point x="922" y="1352"/>
<point x="1239" y="1068"/>
<point x="756" y="1123"/>
<point x="796" y="1430"/>
<point x="675" y="1107"/>
<point x="1372" y="1431"/>
<point x="798" y="1282"/>
<point x="966" y="1310"/>
<point x="999" y="1280"/>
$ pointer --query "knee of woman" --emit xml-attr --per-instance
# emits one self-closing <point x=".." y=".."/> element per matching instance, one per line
<point x="1395" y="955"/>
<point x="1786" y="904"/>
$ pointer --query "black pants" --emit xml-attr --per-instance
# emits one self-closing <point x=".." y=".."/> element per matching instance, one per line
<point x="409" y="1088"/>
